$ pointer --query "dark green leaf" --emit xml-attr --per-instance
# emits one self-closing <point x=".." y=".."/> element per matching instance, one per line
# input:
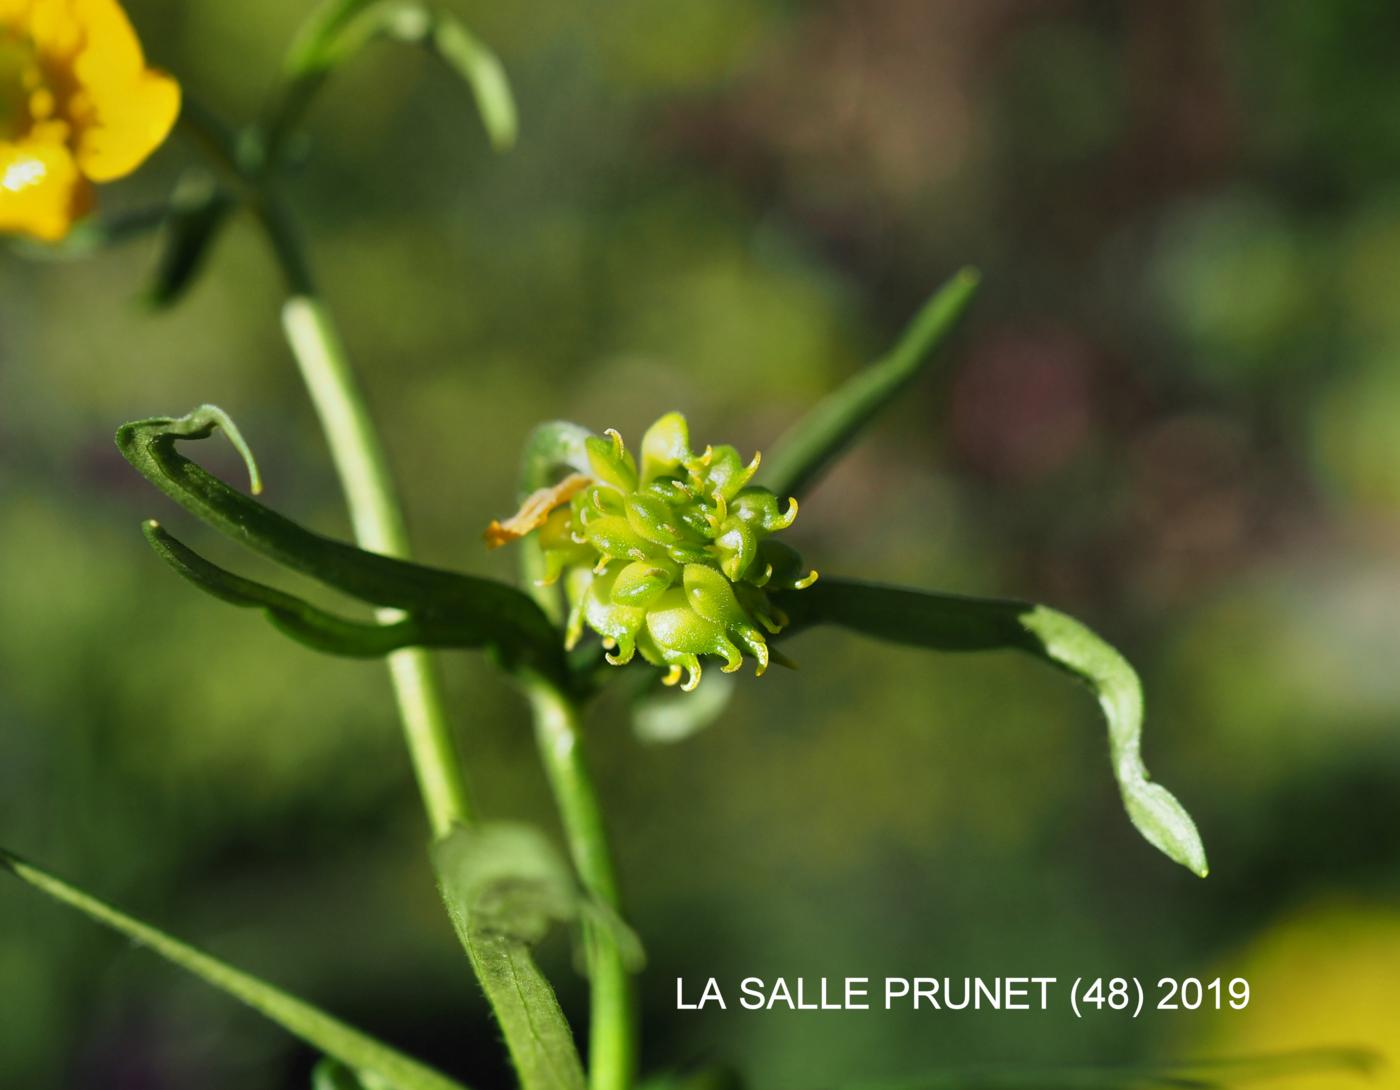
<point x="799" y="457"/>
<point x="946" y="622"/>
<point x="474" y="612"/>
<point x="317" y="1028"/>
<point x="297" y="618"/>
<point x="198" y="211"/>
<point x="344" y="29"/>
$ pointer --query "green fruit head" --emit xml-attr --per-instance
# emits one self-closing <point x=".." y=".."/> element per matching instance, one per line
<point x="672" y="559"/>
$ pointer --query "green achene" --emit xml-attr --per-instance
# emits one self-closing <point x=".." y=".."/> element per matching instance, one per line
<point x="672" y="559"/>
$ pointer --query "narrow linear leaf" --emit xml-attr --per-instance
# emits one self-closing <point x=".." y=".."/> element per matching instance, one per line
<point x="475" y="612"/>
<point x="946" y="622"/>
<point x="304" y="622"/>
<point x="346" y="29"/>
<point x="314" y="1026"/>
<point x="483" y="73"/>
<point x="199" y="209"/>
<point x="314" y="49"/>
<point x="504" y="885"/>
<point x="805" y="450"/>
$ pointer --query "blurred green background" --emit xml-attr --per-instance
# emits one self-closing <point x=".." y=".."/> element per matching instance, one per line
<point x="1175" y="412"/>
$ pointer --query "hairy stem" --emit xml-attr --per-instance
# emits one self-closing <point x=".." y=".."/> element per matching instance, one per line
<point x="612" y="1037"/>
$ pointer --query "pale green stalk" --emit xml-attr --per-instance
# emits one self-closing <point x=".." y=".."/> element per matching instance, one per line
<point x="359" y="460"/>
<point x="612" y="1031"/>
<point x="379" y="527"/>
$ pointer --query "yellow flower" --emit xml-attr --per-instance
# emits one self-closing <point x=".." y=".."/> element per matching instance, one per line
<point x="77" y="105"/>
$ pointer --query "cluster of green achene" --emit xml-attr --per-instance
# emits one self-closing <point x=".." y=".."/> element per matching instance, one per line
<point x="672" y="559"/>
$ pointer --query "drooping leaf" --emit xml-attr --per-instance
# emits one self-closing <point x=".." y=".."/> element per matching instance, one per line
<point x="199" y="209"/>
<point x="320" y="43"/>
<point x="312" y="1025"/>
<point x="298" y="618"/>
<point x="446" y="608"/>
<point x="464" y="53"/>
<point x="946" y="622"/>
<point x="504" y="886"/>
<point x="801" y="454"/>
<point x="343" y="28"/>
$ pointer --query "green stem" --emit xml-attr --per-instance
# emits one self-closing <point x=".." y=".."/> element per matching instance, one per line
<point x="612" y="1036"/>
<point x="361" y="465"/>
<point x="379" y="527"/>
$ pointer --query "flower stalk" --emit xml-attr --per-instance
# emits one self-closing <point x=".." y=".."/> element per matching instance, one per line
<point x="379" y="527"/>
<point x="612" y="1036"/>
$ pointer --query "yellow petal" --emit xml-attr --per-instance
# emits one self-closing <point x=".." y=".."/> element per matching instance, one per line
<point x="41" y="190"/>
<point x="127" y="125"/>
<point x="119" y="109"/>
<point x="54" y="29"/>
<point x="13" y="11"/>
<point x="124" y="110"/>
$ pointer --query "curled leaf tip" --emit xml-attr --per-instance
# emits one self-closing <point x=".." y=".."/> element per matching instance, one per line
<point x="207" y="417"/>
<point x="1153" y="810"/>
<point x="949" y="622"/>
